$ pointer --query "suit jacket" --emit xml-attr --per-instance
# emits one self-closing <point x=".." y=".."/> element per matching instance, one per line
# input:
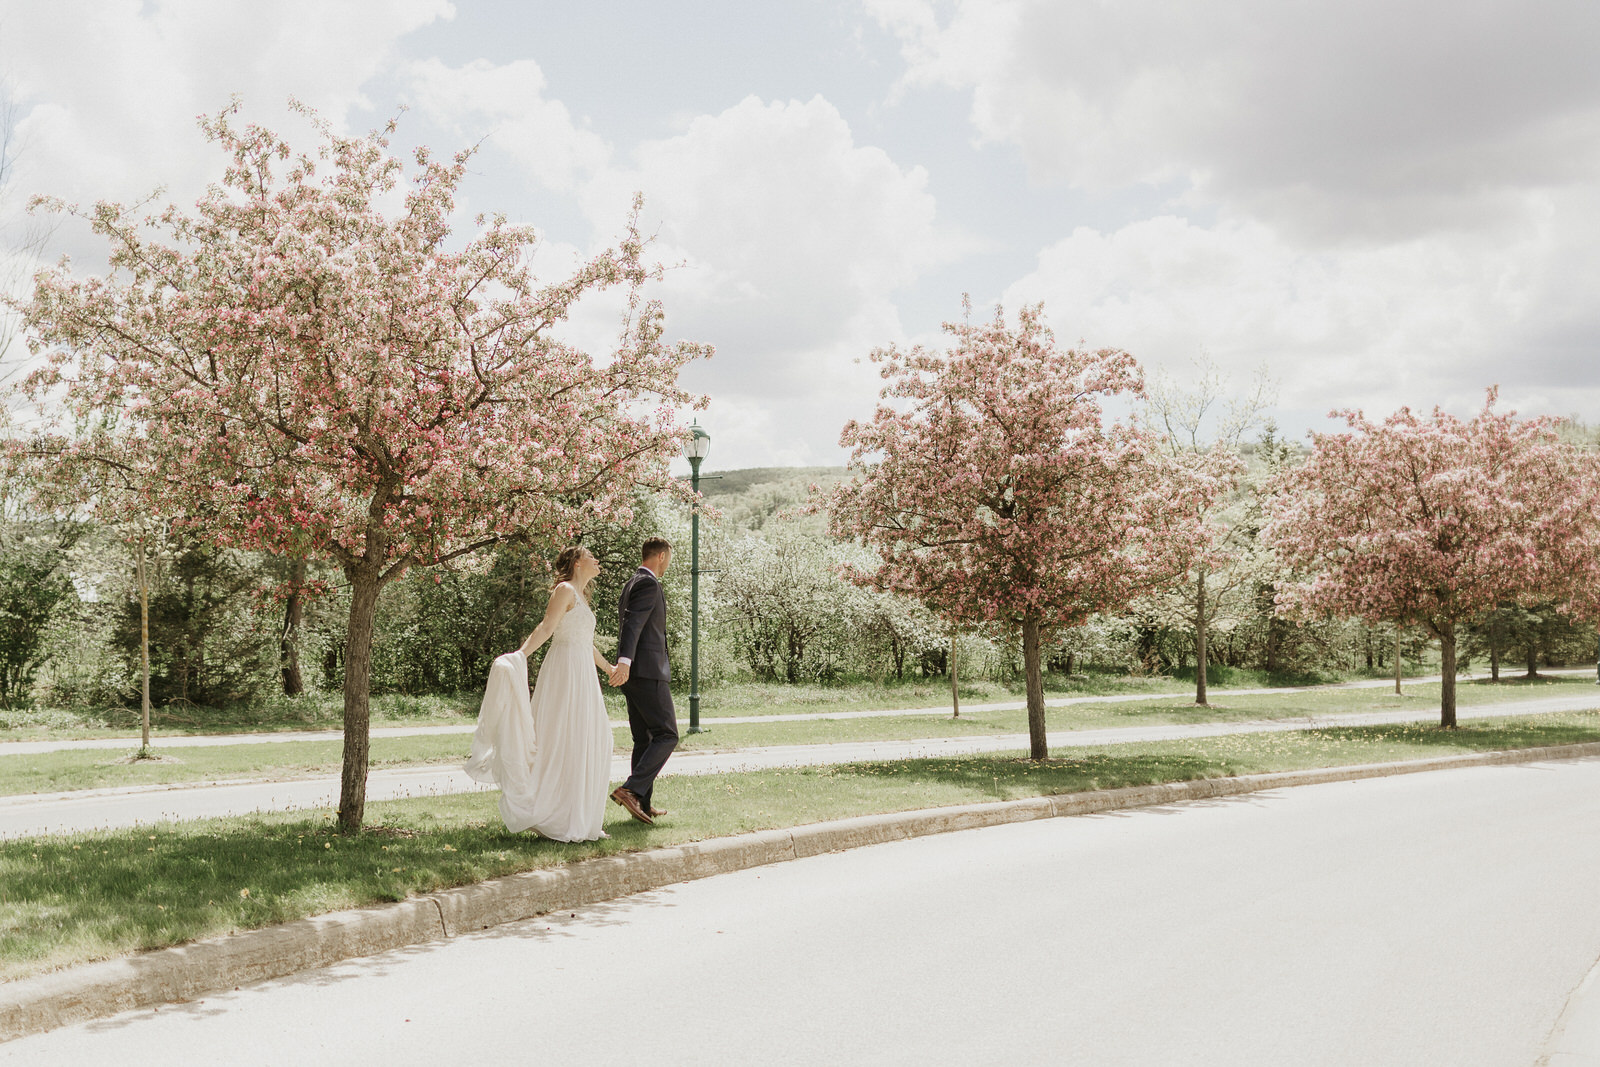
<point x="642" y="626"/>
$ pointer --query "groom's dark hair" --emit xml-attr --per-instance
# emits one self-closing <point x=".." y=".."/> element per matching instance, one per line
<point x="653" y="547"/>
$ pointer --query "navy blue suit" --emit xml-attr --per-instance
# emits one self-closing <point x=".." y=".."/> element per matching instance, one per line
<point x="642" y="640"/>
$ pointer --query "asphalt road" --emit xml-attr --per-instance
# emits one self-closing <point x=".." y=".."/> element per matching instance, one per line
<point x="91" y="809"/>
<point x="1439" y="918"/>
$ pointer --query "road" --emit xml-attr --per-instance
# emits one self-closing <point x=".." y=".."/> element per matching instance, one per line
<point x="1441" y="918"/>
<point x="92" y="809"/>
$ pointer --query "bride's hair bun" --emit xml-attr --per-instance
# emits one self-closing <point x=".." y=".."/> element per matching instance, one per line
<point x="567" y="563"/>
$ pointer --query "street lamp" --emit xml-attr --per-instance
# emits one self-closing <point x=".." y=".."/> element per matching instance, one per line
<point x="695" y="450"/>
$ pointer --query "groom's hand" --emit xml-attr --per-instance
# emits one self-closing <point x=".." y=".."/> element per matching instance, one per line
<point x="619" y="674"/>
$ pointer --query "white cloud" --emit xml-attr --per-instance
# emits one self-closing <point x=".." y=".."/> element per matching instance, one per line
<point x="789" y="232"/>
<point x="506" y="103"/>
<point x="111" y="89"/>
<point x="1385" y="203"/>
<point x="1431" y="320"/>
<point x="1362" y="119"/>
<point x="794" y="241"/>
<point x="785" y="241"/>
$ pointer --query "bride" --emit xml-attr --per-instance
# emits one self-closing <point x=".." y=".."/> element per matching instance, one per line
<point x="551" y="758"/>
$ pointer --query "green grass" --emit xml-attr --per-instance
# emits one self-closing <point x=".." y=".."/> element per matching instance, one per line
<point x="52" y="772"/>
<point x="309" y="711"/>
<point x="70" y="899"/>
<point x="1157" y="710"/>
<point x="761" y="698"/>
<point x="98" y="768"/>
<point x="324" y="711"/>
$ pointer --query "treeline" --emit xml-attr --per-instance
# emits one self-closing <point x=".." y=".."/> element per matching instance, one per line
<point x="229" y="626"/>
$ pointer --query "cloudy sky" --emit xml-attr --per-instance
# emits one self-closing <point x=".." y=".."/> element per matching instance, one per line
<point x="1382" y="203"/>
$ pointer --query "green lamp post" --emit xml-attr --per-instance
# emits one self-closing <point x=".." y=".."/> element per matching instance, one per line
<point x="695" y="450"/>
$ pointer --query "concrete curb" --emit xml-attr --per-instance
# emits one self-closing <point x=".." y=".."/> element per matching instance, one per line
<point x="183" y="973"/>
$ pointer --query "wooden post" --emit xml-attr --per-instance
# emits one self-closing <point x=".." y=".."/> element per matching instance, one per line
<point x="144" y="648"/>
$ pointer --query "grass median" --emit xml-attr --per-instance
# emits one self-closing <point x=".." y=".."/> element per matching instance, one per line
<point x="70" y="899"/>
<point x="325" y="710"/>
<point x="98" y="768"/>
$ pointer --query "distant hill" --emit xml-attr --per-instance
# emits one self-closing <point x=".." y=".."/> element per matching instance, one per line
<point x="752" y="497"/>
<point x="733" y="483"/>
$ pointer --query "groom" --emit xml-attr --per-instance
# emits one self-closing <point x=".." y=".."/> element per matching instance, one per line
<point x="642" y="672"/>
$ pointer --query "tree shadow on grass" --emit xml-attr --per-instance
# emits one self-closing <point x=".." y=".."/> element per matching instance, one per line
<point x="1509" y="681"/>
<point x="1010" y="778"/>
<point x="1474" y="736"/>
<point x="149" y="887"/>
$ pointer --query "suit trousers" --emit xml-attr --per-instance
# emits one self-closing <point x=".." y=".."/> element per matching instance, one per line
<point x="654" y="724"/>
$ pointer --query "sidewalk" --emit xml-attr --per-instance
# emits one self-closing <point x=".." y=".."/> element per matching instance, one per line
<point x="28" y="748"/>
<point x="92" y="809"/>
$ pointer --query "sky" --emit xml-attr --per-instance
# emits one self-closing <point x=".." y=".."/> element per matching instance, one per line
<point x="1374" y="204"/>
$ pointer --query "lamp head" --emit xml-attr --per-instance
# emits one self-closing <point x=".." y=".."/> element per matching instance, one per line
<point x="699" y="444"/>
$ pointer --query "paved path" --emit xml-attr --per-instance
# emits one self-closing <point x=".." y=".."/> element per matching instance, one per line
<point x="1431" y="919"/>
<point x="24" y="748"/>
<point x="90" y="809"/>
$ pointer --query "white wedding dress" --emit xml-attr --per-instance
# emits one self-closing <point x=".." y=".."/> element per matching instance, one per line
<point x="551" y="757"/>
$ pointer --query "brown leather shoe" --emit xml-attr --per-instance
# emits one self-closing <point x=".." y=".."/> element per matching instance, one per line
<point x="624" y="796"/>
<point x="656" y="813"/>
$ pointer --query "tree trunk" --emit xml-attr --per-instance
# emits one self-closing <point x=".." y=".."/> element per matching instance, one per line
<point x="1038" y="747"/>
<point x="1200" y="656"/>
<point x="1494" y="660"/>
<point x="357" y="688"/>
<point x="1533" y="660"/>
<point x="1447" y="683"/>
<point x="1397" y="659"/>
<point x="144" y="651"/>
<point x="1072" y="664"/>
<point x="289" y="643"/>
<point x="1147" y="649"/>
<point x="955" y="693"/>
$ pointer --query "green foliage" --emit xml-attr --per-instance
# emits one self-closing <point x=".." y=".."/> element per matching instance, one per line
<point x="783" y="606"/>
<point x="1535" y="636"/>
<point x="773" y="611"/>
<point x="441" y="630"/>
<point x="208" y="644"/>
<point x="33" y="585"/>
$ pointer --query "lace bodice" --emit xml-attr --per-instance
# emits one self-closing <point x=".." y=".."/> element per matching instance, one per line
<point x="576" y="626"/>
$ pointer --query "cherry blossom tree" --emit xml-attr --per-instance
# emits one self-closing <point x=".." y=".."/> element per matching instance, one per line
<point x="1199" y="428"/>
<point x="309" y="363"/>
<point x="1579" y="566"/>
<point x="1431" y="522"/>
<point x="993" y="488"/>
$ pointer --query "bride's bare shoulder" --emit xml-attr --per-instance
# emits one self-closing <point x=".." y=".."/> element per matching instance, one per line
<point x="565" y="595"/>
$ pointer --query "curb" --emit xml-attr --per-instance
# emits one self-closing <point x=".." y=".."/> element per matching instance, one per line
<point x="174" y="975"/>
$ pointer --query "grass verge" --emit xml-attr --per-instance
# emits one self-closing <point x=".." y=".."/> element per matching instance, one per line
<point x="70" y="899"/>
<point x="324" y="711"/>
<point x="91" y="769"/>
